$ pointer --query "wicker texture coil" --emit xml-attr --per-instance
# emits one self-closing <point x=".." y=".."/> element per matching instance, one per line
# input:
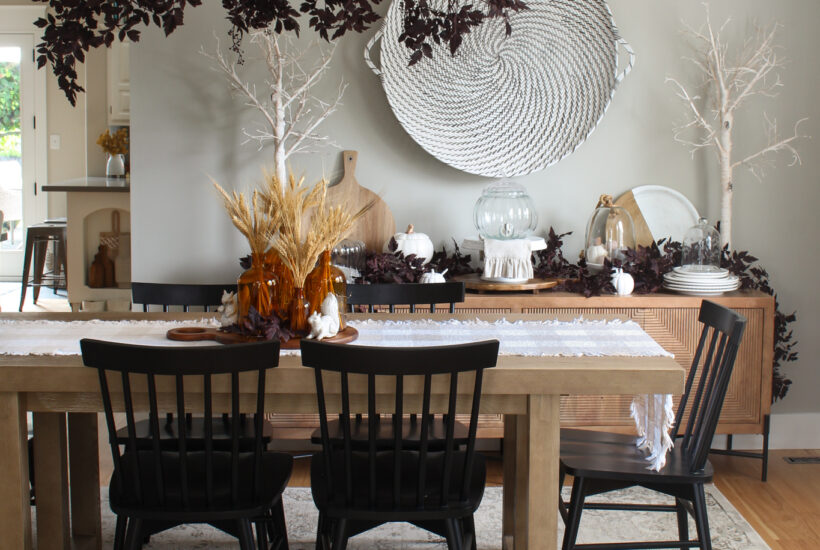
<point x="507" y="106"/>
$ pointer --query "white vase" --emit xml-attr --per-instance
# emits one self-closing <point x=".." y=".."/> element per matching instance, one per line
<point x="115" y="167"/>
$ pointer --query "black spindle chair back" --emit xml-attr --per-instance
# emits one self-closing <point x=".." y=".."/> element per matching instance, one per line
<point x="708" y="381"/>
<point x="208" y="296"/>
<point x="392" y="371"/>
<point x="128" y="372"/>
<point x="410" y="294"/>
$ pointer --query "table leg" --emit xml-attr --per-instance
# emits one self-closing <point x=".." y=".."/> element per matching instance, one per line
<point x="51" y="481"/>
<point x="536" y="499"/>
<point x="85" y="478"/>
<point x="15" y="511"/>
<point x="508" y="517"/>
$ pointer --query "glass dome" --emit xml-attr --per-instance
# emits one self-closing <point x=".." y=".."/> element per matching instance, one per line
<point x="610" y="232"/>
<point x="349" y="256"/>
<point x="505" y="211"/>
<point x="701" y="248"/>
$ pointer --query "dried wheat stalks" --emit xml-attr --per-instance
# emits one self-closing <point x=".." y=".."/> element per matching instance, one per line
<point x="328" y="225"/>
<point x="257" y="221"/>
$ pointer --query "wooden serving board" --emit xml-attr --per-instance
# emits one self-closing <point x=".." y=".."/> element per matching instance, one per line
<point x="377" y="226"/>
<point x="473" y="281"/>
<point x="643" y="236"/>
<point x="193" y="334"/>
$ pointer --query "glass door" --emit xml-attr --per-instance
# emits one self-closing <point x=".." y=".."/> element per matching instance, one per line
<point x="21" y="204"/>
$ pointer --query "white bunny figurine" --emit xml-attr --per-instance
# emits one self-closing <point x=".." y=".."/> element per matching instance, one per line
<point x="228" y="309"/>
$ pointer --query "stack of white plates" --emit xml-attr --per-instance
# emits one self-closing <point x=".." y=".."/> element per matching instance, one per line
<point x="699" y="283"/>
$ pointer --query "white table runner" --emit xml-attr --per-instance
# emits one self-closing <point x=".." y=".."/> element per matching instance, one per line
<point x="653" y="415"/>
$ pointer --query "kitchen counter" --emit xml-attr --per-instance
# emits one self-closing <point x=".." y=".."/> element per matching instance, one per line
<point x="92" y="184"/>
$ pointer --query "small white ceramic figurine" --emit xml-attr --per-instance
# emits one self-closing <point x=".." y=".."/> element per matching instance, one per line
<point x="228" y="309"/>
<point x="433" y="277"/>
<point x="596" y="252"/>
<point x="326" y="324"/>
<point x="623" y="282"/>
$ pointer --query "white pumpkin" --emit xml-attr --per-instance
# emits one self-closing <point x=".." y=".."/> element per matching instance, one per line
<point x="411" y="242"/>
<point x="433" y="277"/>
<point x="623" y="282"/>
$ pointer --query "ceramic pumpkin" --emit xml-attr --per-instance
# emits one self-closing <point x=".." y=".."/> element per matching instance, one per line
<point x="411" y="242"/>
<point x="433" y="277"/>
<point x="623" y="282"/>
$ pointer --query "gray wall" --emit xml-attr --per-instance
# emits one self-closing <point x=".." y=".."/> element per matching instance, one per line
<point x="186" y="128"/>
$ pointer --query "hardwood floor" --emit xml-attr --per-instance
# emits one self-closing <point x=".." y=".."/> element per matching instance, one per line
<point x="786" y="509"/>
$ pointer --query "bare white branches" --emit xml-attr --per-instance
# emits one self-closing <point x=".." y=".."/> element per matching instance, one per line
<point x="724" y="86"/>
<point x="291" y="112"/>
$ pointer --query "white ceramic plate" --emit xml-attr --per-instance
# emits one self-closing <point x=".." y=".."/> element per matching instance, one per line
<point x="667" y="212"/>
<point x="702" y="282"/>
<point x="698" y="292"/>
<point x="679" y="271"/>
<point x="704" y="288"/>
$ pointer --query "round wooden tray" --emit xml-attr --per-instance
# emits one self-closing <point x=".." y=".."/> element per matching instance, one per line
<point x="192" y="334"/>
<point x="473" y="281"/>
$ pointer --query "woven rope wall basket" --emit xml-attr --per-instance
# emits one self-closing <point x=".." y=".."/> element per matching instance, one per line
<point x="507" y="106"/>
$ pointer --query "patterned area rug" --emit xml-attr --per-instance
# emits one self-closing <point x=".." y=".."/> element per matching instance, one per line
<point x="729" y="530"/>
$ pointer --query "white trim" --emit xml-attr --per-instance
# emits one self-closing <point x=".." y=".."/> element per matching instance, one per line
<point x="788" y="431"/>
<point x="21" y="18"/>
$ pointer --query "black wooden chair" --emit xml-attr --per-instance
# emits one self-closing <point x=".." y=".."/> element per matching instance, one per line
<point x="154" y="489"/>
<point x="410" y="294"/>
<point x="602" y="462"/>
<point x="185" y="295"/>
<point x="357" y="489"/>
<point x="188" y="295"/>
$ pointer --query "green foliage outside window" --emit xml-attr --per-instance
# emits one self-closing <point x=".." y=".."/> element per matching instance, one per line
<point x="9" y="110"/>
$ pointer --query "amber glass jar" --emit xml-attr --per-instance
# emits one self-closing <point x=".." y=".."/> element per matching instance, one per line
<point x="326" y="278"/>
<point x="284" y="289"/>
<point x="298" y="315"/>
<point x="255" y="287"/>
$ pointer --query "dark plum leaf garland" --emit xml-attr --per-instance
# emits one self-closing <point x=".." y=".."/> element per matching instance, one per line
<point x="73" y="27"/>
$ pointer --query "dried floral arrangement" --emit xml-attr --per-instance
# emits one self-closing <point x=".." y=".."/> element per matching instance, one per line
<point x="299" y="248"/>
<point x="647" y="265"/>
<point x="116" y="144"/>
<point x="394" y="267"/>
<point x="72" y="28"/>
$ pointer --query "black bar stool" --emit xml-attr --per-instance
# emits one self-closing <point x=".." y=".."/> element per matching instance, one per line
<point x="38" y="237"/>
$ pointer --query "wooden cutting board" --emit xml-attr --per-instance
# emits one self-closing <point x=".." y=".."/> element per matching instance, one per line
<point x="377" y="226"/>
<point x="643" y="236"/>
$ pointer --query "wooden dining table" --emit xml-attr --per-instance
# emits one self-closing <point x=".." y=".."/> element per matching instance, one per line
<point x="64" y="398"/>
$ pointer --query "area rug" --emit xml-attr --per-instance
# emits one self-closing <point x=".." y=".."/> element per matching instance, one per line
<point x="729" y="530"/>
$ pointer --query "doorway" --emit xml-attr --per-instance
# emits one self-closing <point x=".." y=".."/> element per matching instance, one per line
<point x="21" y="202"/>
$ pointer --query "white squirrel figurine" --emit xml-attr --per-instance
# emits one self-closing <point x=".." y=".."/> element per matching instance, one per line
<point x="326" y="324"/>
<point x="228" y="309"/>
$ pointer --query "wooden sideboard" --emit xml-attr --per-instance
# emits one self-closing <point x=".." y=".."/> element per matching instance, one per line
<point x="671" y="319"/>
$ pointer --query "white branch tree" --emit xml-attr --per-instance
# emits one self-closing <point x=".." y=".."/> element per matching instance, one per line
<point x="726" y="85"/>
<point x="291" y="111"/>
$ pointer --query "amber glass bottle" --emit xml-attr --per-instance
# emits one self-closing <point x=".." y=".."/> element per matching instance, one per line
<point x="284" y="289"/>
<point x="255" y="287"/>
<point x="323" y="280"/>
<point x="298" y="315"/>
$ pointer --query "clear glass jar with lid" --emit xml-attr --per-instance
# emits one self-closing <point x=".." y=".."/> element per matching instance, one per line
<point x="701" y="248"/>
<point x="610" y="232"/>
<point x="505" y="211"/>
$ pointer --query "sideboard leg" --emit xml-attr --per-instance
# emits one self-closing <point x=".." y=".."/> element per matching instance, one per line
<point x="765" y="469"/>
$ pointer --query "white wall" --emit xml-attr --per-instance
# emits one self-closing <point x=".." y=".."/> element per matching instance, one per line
<point x="185" y="127"/>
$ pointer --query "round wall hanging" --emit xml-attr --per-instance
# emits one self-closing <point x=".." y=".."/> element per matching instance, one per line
<point x="507" y="106"/>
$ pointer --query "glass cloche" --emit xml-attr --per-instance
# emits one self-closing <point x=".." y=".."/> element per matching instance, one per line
<point x="610" y="232"/>
<point x="349" y="256"/>
<point x="701" y="248"/>
<point x="505" y="211"/>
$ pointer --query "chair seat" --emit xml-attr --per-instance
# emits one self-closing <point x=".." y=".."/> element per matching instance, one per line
<point x="410" y="433"/>
<point x="384" y="509"/>
<point x="604" y="455"/>
<point x="253" y="498"/>
<point x="195" y="434"/>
